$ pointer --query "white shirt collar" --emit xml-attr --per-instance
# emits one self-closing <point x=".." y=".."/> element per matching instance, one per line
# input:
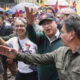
<point x="54" y="37"/>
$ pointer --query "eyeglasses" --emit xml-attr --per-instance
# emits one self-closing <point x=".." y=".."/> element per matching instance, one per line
<point x="19" y="25"/>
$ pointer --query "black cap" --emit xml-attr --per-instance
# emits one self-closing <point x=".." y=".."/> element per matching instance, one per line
<point x="46" y="16"/>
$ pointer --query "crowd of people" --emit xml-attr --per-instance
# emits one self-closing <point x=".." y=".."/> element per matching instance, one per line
<point x="40" y="45"/>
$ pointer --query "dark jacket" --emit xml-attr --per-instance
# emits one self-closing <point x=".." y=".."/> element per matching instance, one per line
<point x="45" y="72"/>
<point x="5" y="30"/>
<point x="67" y="63"/>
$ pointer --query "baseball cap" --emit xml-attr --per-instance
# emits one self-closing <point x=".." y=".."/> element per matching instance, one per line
<point x="46" y="16"/>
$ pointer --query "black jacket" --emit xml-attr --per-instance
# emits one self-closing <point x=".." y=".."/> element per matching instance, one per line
<point x="6" y="30"/>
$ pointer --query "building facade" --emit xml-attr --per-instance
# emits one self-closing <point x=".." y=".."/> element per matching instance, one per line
<point x="7" y="3"/>
<point x="10" y="3"/>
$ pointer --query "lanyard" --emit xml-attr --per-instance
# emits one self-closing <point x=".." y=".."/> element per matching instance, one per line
<point x="20" y="47"/>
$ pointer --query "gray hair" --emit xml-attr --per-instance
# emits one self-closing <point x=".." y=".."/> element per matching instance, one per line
<point x="21" y="19"/>
<point x="72" y="23"/>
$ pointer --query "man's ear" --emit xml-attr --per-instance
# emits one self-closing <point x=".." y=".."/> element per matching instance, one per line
<point x="72" y="35"/>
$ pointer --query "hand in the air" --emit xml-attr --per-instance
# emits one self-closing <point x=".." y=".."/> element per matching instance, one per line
<point x="9" y="52"/>
<point x="30" y="15"/>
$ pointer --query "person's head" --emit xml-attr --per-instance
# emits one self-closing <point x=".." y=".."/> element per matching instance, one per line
<point x="66" y="12"/>
<point x="50" y="10"/>
<point x="59" y="16"/>
<point x="1" y="20"/>
<point x="48" y="21"/>
<point x="6" y="15"/>
<point x="20" y="27"/>
<point x="71" y="30"/>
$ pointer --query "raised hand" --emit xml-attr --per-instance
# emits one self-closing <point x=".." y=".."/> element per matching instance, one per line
<point x="9" y="52"/>
<point x="30" y="15"/>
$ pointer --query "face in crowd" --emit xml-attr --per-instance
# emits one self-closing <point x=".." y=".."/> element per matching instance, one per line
<point x="50" y="27"/>
<point x="70" y="30"/>
<point x="20" y="28"/>
<point x="65" y="36"/>
<point x="50" y="10"/>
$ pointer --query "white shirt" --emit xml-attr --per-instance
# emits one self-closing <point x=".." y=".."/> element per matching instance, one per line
<point x="27" y="46"/>
<point x="54" y="37"/>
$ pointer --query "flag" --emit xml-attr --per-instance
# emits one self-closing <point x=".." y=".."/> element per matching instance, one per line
<point x="7" y="8"/>
<point x="74" y="4"/>
<point x="78" y="8"/>
<point x="75" y="9"/>
<point x="17" y="13"/>
<point x="43" y="3"/>
<point x="71" y="3"/>
<point x="20" y="11"/>
<point x="4" y="8"/>
<point x="56" y="6"/>
<point x="39" y="3"/>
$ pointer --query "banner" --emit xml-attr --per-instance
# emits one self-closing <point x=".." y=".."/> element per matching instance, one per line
<point x="43" y="3"/>
<point x="78" y="8"/>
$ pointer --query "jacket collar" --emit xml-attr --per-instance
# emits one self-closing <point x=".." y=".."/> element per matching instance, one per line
<point x="56" y="36"/>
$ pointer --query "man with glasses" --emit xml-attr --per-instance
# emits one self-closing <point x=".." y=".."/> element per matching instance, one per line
<point x="47" y="40"/>
<point x="66" y="58"/>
